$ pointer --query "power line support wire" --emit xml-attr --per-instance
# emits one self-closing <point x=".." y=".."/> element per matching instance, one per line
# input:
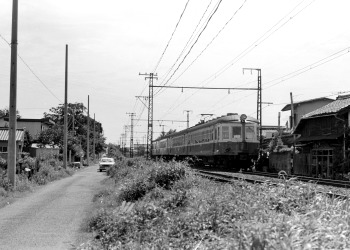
<point x="150" y="76"/>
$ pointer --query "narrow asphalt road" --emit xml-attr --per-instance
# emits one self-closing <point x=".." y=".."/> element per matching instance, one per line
<point x="51" y="217"/>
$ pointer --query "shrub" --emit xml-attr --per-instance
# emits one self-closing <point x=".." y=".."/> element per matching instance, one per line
<point x="166" y="175"/>
<point x="134" y="190"/>
<point x="3" y="163"/>
<point x="3" y="192"/>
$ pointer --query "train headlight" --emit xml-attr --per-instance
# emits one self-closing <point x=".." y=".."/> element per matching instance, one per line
<point x="243" y="117"/>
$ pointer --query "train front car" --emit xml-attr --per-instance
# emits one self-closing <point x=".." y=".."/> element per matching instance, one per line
<point x="235" y="141"/>
<point x="228" y="141"/>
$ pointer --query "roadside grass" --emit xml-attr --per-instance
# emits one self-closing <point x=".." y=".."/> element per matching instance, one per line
<point x="164" y="205"/>
<point x="47" y="171"/>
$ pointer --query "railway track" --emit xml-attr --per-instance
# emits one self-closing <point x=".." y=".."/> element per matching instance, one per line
<point x="320" y="181"/>
<point x="228" y="177"/>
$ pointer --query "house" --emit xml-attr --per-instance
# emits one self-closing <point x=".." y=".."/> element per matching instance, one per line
<point x="4" y="136"/>
<point x="322" y="142"/>
<point x="33" y="126"/>
<point x="304" y="107"/>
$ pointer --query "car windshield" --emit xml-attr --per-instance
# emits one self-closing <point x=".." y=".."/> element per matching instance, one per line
<point x="107" y="160"/>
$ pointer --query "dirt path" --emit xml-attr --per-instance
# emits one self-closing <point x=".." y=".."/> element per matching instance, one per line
<point x="51" y="217"/>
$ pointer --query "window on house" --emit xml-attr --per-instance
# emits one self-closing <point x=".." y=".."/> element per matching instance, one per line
<point x="3" y="149"/>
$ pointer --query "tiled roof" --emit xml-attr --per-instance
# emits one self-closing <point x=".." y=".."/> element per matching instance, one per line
<point x="331" y="108"/>
<point x="4" y="135"/>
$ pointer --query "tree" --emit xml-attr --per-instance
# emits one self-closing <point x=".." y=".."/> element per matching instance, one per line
<point x="163" y="134"/>
<point x="76" y="132"/>
<point x="6" y="112"/>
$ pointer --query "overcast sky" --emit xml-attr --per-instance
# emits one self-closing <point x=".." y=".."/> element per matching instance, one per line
<point x="300" y="46"/>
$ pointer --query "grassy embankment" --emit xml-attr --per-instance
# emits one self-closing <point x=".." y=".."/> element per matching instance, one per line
<point x="46" y="171"/>
<point x="160" y="205"/>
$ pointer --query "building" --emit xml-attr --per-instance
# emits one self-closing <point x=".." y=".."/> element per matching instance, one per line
<point x="323" y="140"/>
<point x="33" y="126"/>
<point x="4" y="136"/>
<point x="304" y="107"/>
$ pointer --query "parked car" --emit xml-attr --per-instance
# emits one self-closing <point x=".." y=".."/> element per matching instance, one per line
<point x="105" y="163"/>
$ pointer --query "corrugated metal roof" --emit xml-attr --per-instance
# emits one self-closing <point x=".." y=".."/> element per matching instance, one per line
<point x="4" y="135"/>
<point x="330" y="108"/>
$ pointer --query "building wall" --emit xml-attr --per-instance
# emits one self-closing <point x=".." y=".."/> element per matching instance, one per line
<point x="34" y="128"/>
<point x="280" y="161"/>
<point x="304" y="108"/>
<point x="3" y="123"/>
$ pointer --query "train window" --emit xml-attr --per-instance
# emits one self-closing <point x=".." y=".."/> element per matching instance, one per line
<point x="236" y="132"/>
<point x="225" y="133"/>
<point x="249" y="132"/>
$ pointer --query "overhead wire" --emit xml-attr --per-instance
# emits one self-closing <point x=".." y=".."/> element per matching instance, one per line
<point x="255" y="44"/>
<point x="171" y="37"/>
<point x="31" y="70"/>
<point x="195" y="42"/>
<point x="212" y="40"/>
<point x="187" y="43"/>
<point x="301" y="71"/>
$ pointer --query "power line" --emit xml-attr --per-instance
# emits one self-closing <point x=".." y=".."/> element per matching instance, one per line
<point x="188" y="42"/>
<point x="302" y="70"/>
<point x="256" y="43"/>
<point x="199" y="35"/>
<point x="206" y="47"/>
<point x="171" y="37"/>
<point x="30" y="69"/>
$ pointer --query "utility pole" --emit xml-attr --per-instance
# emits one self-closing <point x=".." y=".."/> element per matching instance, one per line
<point x="125" y="136"/>
<point x="94" y="142"/>
<point x="11" y="158"/>
<point x="292" y="125"/>
<point x="65" y="130"/>
<point x="188" y="117"/>
<point x="132" y="115"/>
<point x="259" y="104"/>
<point x="88" y="134"/>
<point x="151" y="77"/>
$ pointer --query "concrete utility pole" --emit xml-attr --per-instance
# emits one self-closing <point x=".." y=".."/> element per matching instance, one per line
<point x="132" y="115"/>
<point x="65" y="129"/>
<point x="94" y="142"/>
<point x="188" y="117"/>
<point x="151" y="77"/>
<point x="88" y="134"/>
<point x="11" y="158"/>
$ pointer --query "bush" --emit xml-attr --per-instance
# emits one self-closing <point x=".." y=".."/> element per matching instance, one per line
<point x="165" y="175"/>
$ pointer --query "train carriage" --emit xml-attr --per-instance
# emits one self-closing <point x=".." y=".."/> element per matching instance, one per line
<point x="229" y="141"/>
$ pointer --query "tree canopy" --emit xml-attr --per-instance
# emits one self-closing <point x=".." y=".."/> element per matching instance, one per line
<point x="77" y="130"/>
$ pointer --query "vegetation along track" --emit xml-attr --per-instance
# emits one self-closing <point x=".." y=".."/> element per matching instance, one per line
<point x="273" y="179"/>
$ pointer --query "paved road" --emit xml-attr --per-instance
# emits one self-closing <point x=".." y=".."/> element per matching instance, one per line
<point x="51" y="217"/>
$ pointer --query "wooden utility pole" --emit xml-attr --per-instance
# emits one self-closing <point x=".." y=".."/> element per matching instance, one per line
<point x="88" y="134"/>
<point x="11" y="158"/>
<point x="65" y="130"/>
<point x="94" y="142"/>
<point x="292" y="125"/>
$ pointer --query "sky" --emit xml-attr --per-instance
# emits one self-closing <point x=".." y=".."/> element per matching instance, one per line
<point x="301" y="47"/>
